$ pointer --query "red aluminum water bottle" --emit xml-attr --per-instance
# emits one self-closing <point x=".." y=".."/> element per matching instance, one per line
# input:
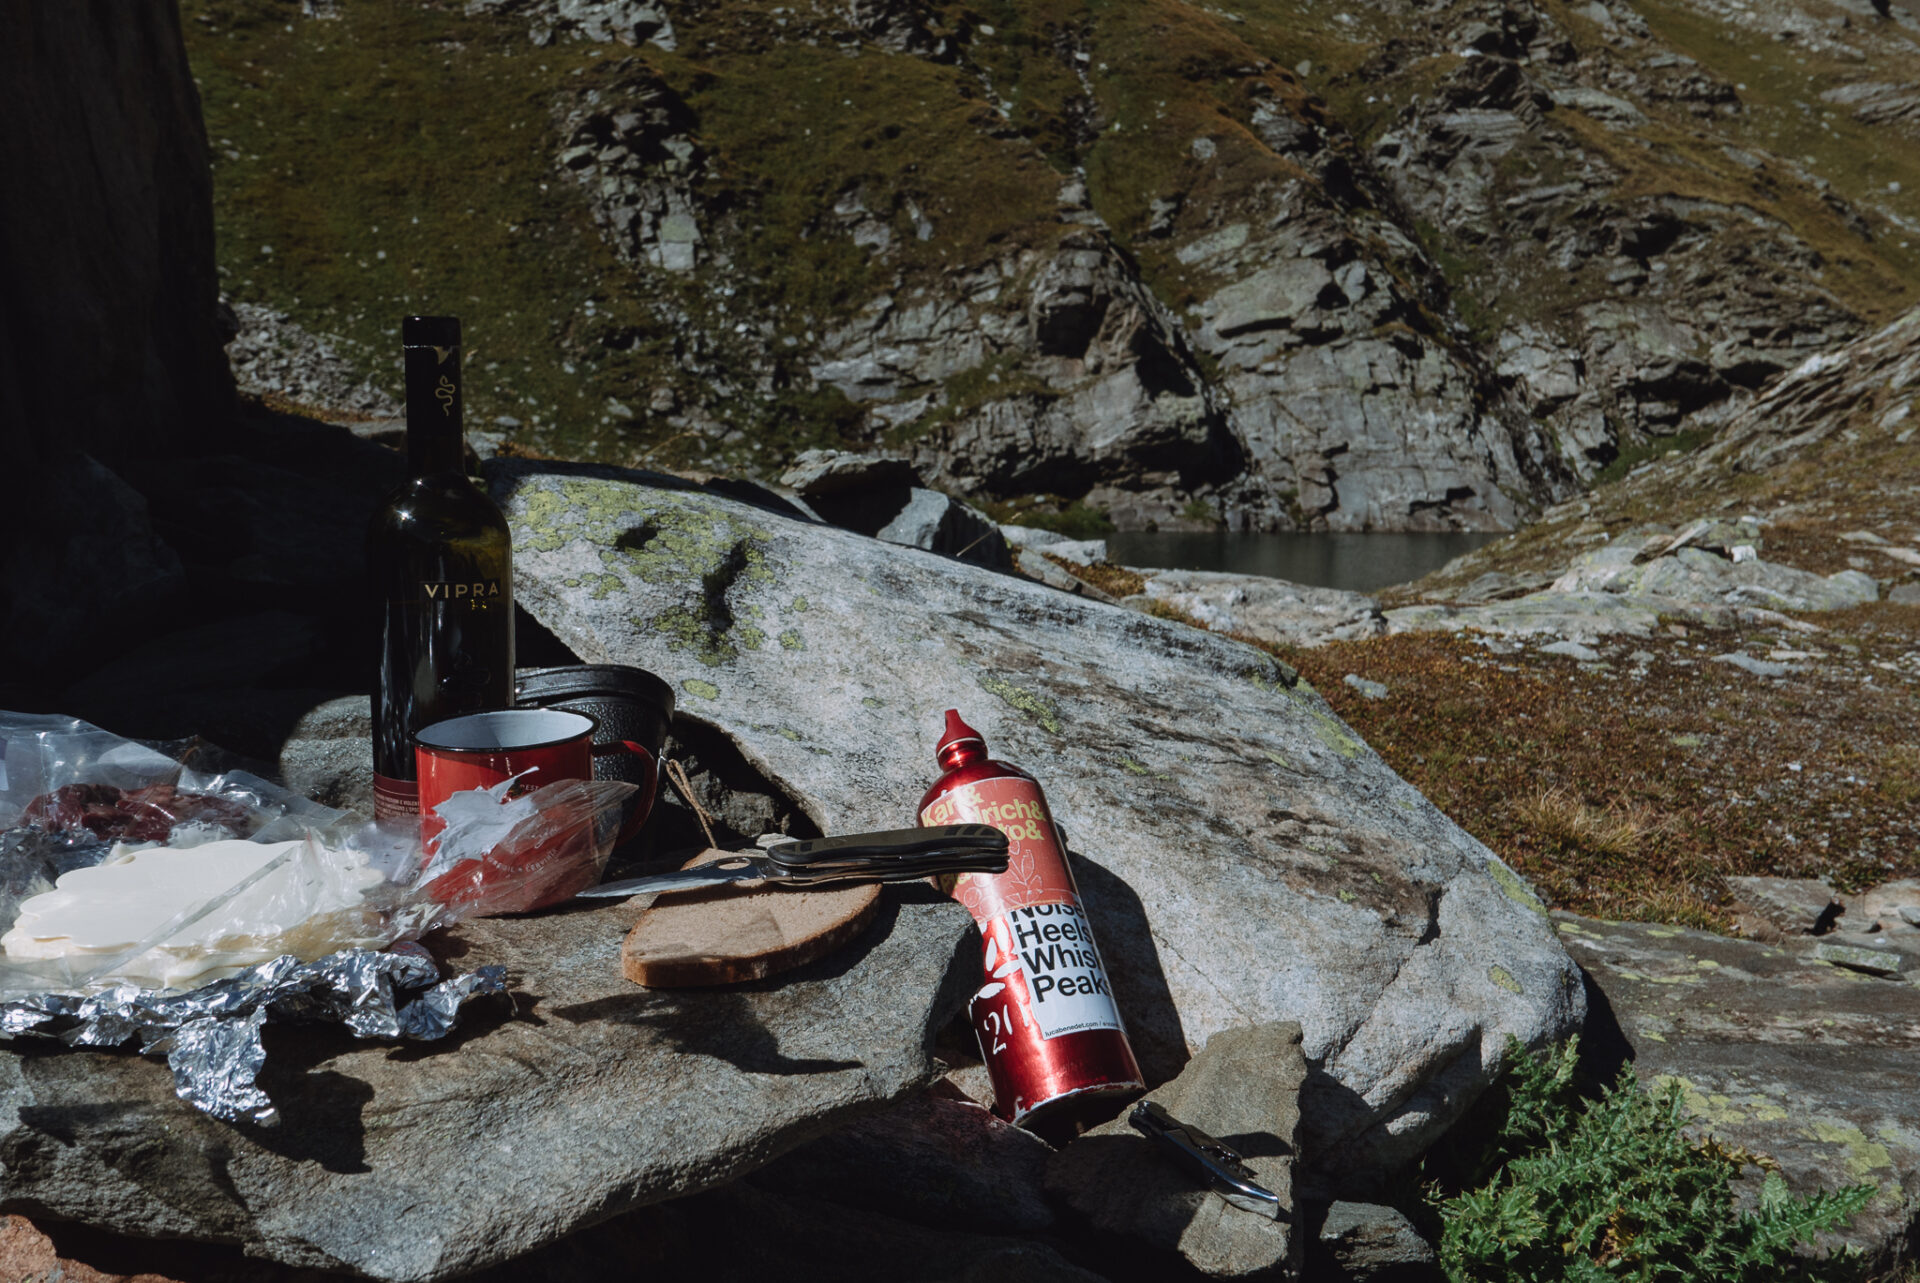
<point x="1048" y="1026"/>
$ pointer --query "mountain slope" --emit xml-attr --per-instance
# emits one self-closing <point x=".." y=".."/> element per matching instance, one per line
<point x="1288" y="266"/>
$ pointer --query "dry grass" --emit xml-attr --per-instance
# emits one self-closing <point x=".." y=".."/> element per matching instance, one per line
<point x="1633" y="790"/>
<point x="1116" y="581"/>
<point x="1898" y="779"/>
<point x="1561" y="815"/>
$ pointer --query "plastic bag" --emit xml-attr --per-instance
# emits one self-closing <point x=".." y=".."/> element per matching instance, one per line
<point x="75" y="797"/>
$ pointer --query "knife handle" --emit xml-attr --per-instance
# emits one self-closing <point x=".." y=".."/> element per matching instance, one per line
<point x="893" y="842"/>
<point x="899" y="868"/>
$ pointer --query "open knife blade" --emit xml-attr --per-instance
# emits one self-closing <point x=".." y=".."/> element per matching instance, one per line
<point x="896" y="855"/>
<point x="1213" y="1163"/>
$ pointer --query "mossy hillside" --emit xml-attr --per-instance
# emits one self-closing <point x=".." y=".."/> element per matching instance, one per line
<point x="1366" y="76"/>
<point x="1677" y="155"/>
<point x="398" y="160"/>
<point x="325" y="131"/>
<point x="1871" y="276"/>
<point x="1861" y="476"/>
<point x="1022" y="51"/>
<point x="1125" y="91"/>
<point x="401" y="159"/>
<point x="794" y="127"/>
<point x="1169" y="79"/>
<point x="1878" y="280"/>
<point x="1178" y="88"/>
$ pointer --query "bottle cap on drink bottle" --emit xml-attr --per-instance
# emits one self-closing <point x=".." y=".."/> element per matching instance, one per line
<point x="960" y="744"/>
<point x="430" y="331"/>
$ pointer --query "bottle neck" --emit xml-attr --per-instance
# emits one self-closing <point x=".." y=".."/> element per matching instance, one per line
<point x="963" y="753"/>
<point x="436" y="439"/>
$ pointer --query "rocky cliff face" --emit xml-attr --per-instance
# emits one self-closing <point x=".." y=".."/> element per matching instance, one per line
<point x="1380" y="267"/>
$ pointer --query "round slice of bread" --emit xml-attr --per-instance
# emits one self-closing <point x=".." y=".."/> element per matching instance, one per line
<point x="744" y="931"/>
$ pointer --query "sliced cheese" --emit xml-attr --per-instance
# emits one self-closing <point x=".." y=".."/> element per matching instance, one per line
<point x="311" y="905"/>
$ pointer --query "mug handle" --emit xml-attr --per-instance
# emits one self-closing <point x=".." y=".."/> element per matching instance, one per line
<point x="621" y="746"/>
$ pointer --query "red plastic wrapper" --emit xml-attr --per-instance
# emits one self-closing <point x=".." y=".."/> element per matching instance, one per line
<point x="554" y="845"/>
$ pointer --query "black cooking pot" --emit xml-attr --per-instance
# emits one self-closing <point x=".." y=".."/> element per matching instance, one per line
<point x="632" y="709"/>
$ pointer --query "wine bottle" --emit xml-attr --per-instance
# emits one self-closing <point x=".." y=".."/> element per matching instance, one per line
<point x="440" y="560"/>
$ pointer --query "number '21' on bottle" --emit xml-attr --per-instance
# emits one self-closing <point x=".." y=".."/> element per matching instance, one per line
<point x="440" y="560"/>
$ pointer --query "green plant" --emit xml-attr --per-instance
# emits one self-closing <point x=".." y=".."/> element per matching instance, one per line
<point x="1684" y="442"/>
<point x="1612" y="1189"/>
<point x="1201" y="510"/>
<point x="1076" y="520"/>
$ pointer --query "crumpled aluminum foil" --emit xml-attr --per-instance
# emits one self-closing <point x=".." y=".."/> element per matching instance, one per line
<point x="211" y="1035"/>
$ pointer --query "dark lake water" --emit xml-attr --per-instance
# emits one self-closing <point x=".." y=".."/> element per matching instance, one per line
<point x="1360" y="563"/>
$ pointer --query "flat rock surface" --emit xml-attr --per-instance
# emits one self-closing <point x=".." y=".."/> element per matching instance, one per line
<point x="589" y="1096"/>
<point x="1268" y="609"/>
<point x="1244" y="856"/>
<point x="1243" y="1089"/>
<point x="1370" y="1241"/>
<point x="1778" y="1052"/>
<point x="936" y="1159"/>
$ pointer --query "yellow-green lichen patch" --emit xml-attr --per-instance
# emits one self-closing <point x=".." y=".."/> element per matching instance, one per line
<point x="1504" y="978"/>
<point x="1684" y="978"/>
<point x="792" y="640"/>
<point x="678" y="540"/>
<point x="873" y="701"/>
<point x="1861" y="1157"/>
<point x="704" y="689"/>
<point x="1040" y="710"/>
<point x="1276" y="759"/>
<point x="1334" y="734"/>
<point x="688" y="630"/>
<point x="697" y="549"/>
<point x="602" y="586"/>
<point x="800" y="604"/>
<point x="1132" y="767"/>
<point x="1714" y="1110"/>
<point x="1269" y="674"/>
<point x="1514" y="887"/>
<point x="536" y="518"/>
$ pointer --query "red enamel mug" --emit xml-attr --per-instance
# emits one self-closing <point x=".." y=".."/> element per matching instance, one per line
<point x="533" y="747"/>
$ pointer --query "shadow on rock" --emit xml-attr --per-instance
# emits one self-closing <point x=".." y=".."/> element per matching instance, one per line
<point x="320" y="1111"/>
<point x="1604" y="1048"/>
<point x="718" y="1023"/>
<point x="1139" y="982"/>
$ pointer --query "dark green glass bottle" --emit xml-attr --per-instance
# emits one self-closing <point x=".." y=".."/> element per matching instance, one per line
<point x="440" y="560"/>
